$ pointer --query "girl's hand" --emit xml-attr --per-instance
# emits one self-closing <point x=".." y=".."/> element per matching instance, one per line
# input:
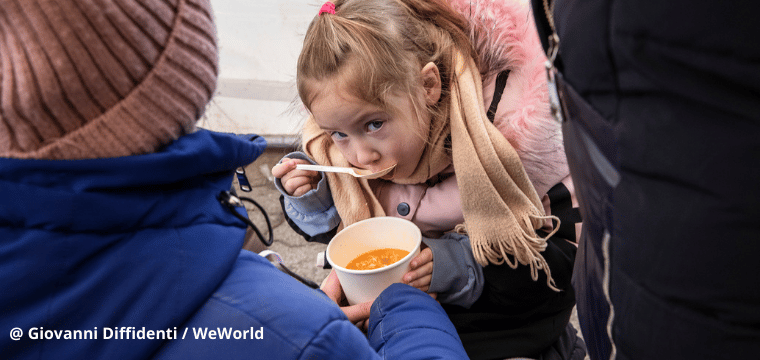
<point x="295" y="182"/>
<point x="421" y="270"/>
<point x="357" y="314"/>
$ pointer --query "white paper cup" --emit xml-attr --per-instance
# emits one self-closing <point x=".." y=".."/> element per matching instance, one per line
<point x="366" y="235"/>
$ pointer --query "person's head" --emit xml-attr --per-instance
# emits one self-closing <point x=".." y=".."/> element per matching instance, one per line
<point x="93" y="79"/>
<point x="375" y="76"/>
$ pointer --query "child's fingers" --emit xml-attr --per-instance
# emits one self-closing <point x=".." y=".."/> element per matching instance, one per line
<point x="423" y="271"/>
<point x="288" y="165"/>
<point x="422" y="283"/>
<point x="303" y="189"/>
<point x="292" y="184"/>
<point x="283" y="168"/>
<point x="425" y="256"/>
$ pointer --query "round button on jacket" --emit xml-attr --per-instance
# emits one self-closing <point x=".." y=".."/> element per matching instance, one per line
<point x="403" y="209"/>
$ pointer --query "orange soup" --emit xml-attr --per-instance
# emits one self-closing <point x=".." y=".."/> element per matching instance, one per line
<point x="376" y="259"/>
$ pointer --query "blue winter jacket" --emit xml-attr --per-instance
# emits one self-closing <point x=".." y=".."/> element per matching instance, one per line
<point x="134" y="258"/>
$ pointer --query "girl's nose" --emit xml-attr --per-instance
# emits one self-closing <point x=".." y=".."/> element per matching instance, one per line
<point x="366" y="156"/>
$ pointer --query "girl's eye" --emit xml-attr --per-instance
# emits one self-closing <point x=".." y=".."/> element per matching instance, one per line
<point x="374" y="125"/>
<point x="336" y="135"/>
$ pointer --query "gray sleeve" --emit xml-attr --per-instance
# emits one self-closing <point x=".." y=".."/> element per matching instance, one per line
<point x="457" y="277"/>
<point x="314" y="212"/>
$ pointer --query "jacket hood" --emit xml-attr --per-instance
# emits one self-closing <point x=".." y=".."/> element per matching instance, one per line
<point x="505" y="38"/>
<point x="138" y="241"/>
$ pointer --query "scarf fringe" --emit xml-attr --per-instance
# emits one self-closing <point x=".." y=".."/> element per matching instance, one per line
<point x="524" y="246"/>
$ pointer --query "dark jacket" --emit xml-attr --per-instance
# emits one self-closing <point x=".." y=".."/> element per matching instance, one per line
<point x="114" y="249"/>
<point x="671" y="263"/>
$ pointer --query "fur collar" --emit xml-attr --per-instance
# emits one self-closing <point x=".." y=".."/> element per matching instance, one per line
<point x="505" y="37"/>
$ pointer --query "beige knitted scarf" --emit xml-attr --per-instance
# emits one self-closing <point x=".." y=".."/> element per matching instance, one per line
<point x="501" y="208"/>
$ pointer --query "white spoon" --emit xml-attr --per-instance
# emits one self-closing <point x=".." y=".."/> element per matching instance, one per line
<point x="359" y="173"/>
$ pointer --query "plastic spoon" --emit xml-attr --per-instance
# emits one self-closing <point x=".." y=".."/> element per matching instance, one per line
<point x="359" y="173"/>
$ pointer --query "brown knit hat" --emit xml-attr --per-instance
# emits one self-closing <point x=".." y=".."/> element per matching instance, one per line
<point x="102" y="78"/>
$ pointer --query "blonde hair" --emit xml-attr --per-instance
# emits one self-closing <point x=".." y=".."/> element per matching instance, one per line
<point x="377" y="48"/>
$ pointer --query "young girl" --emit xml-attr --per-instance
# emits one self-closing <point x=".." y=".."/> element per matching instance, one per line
<point x="398" y="82"/>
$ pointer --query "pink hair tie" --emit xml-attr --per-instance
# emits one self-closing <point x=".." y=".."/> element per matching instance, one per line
<point x="327" y="7"/>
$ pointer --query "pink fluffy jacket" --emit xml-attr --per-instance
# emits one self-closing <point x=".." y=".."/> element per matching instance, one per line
<point x="505" y="37"/>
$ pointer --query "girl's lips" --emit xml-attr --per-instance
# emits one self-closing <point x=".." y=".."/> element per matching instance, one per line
<point x="390" y="175"/>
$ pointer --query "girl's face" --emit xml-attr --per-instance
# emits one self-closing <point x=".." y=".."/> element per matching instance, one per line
<point x="371" y="137"/>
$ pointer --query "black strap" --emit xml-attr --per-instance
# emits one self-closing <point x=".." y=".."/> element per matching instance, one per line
<point x="501" y="83"/>
<point x="300" y="278"/>
<point x="231" y="202"/>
